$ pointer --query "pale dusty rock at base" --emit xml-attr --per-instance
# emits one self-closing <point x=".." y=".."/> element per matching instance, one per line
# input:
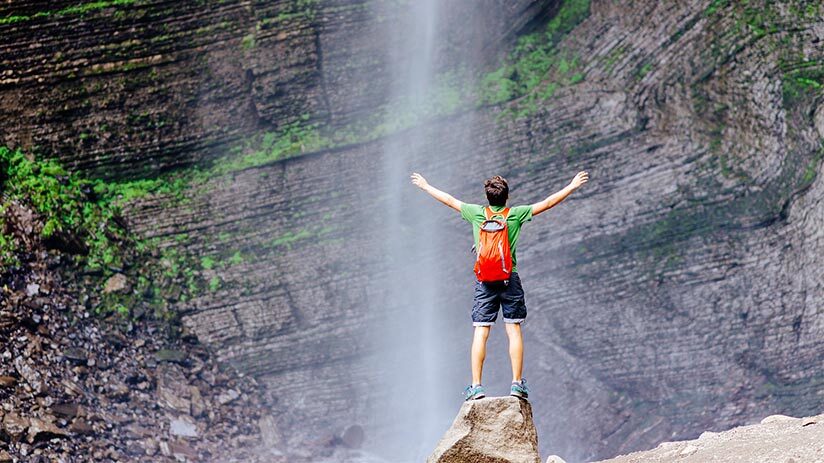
<point x="490" y="430"/>
<point x="809" y="421"/>
<point x="777" y="419"/>
<point x="780" y="439"/>
<point x="555" y="459"/>
<point x="688" y="450"/>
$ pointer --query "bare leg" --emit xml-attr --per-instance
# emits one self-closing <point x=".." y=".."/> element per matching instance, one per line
<point x="478" y="352"/>
<point x="516" y="349"/>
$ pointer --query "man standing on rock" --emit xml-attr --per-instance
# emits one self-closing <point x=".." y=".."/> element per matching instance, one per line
<point x="496" y="229"/>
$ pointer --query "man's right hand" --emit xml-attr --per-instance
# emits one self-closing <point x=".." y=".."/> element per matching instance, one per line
<point x="419" y="181"/>
<point x="580" y="179"/>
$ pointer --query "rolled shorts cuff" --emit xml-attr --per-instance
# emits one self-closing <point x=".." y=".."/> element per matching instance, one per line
<point x="516" y="321"/>
<point x="483" y="323"/>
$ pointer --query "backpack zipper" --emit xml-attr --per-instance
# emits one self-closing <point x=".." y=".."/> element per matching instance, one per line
<point x="503" y="261"/>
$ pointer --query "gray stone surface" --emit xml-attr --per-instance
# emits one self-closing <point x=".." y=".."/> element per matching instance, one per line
<point x="780" y="441"/>
<point x="491" y="430"/>
<point x="694" y="248"/>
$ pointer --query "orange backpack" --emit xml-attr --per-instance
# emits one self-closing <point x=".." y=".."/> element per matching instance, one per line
<point x="494" y="258"/>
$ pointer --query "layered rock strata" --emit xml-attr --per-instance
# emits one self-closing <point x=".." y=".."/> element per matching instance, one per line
<point x="680" y="291"/>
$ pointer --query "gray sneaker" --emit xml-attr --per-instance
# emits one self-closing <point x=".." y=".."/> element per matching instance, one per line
<point x="474" y="392"/>
<point x="519" y="389"/>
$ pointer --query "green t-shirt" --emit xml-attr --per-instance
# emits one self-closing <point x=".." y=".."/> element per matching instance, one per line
<point x="474" y="214"/>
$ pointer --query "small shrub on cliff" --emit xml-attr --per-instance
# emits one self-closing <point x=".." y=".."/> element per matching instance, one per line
<point x="72" y="217"/>
<point x="534" y="57"/>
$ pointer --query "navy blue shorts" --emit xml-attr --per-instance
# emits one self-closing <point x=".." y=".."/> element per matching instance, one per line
<point x="490" y="296"/>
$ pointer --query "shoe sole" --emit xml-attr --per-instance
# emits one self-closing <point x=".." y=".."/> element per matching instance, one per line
<point x="519" y="395"/>
<point x="475" y="397"/>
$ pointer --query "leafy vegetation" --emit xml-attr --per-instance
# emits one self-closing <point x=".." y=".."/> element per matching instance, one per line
<point x="67" y="204"/>
<point x="78" y="9"/>
<point x="803" y="84"/>
<point x="716" y="6"/>
<point x="535" y="57"/>
<point x="811" y="170"/>
<point x="248" y="42"/>
<point x="86" y="214"/>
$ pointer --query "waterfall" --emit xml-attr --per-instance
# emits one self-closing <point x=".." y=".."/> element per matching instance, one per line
<point x="413" y="335"/>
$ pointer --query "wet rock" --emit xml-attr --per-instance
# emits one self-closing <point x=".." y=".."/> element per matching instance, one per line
<point x="182" y="427"/>
<point x="493" y="429"/>
<point x="8" y="381"/>
<point x="75" y="354"/>
<point x="172" y="389"/>
<point x="81" y="426"/>
<point x="135" y="449"/>
<point x="353" y="437"/>
<point x="32" y="376"/>
<point x="819" y="120"/>
<point x="117" y="283"/>
<point x="137" y="431"/>
<point x="67" y="409"/>
<point x="169" y="355"/>
<point x="268" y="431"/>
<point x="7" y="320"/>
<point x="182" y="451"/>
<point x="73" y="389"/>
<point x="42" y="430"/>
<point x="197" y="402"/>
<point x="150" y="446"/>
<point x="118" y="391"/>
<point x="15" y="425"/>
<point x="227" y="397"/>
<point x="32" y="289"/>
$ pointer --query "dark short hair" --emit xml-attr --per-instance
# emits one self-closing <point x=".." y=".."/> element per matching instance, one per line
<point x="497" y="191"/>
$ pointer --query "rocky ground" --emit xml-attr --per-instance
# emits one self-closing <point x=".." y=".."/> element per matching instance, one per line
<point x="777" y="439"/>
<point x="76" y="386"/>
<point x="501" y="429"/>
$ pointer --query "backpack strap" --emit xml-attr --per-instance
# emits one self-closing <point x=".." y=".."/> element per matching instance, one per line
<point x="489" y="213"/>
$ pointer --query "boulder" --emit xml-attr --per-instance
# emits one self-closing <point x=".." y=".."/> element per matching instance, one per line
<point x="7" y="381"/>
<point x="117" y="283"/>
<point x="43" y="429"/>
<point x="15" y="425"/>
<point x="183" y="427"/>
<point x="492" y="430"/>
<point x="353" y="437"/>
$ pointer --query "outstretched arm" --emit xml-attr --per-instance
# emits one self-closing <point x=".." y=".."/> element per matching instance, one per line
<point x="556" y="198"/>
<point x="445" y="198"/>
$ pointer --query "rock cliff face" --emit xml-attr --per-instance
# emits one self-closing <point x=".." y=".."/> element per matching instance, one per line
<point x="127" y="88"/>
<point x="680" y="291"/>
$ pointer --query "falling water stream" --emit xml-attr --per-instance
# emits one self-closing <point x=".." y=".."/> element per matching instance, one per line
<point x="414" y="336"/>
